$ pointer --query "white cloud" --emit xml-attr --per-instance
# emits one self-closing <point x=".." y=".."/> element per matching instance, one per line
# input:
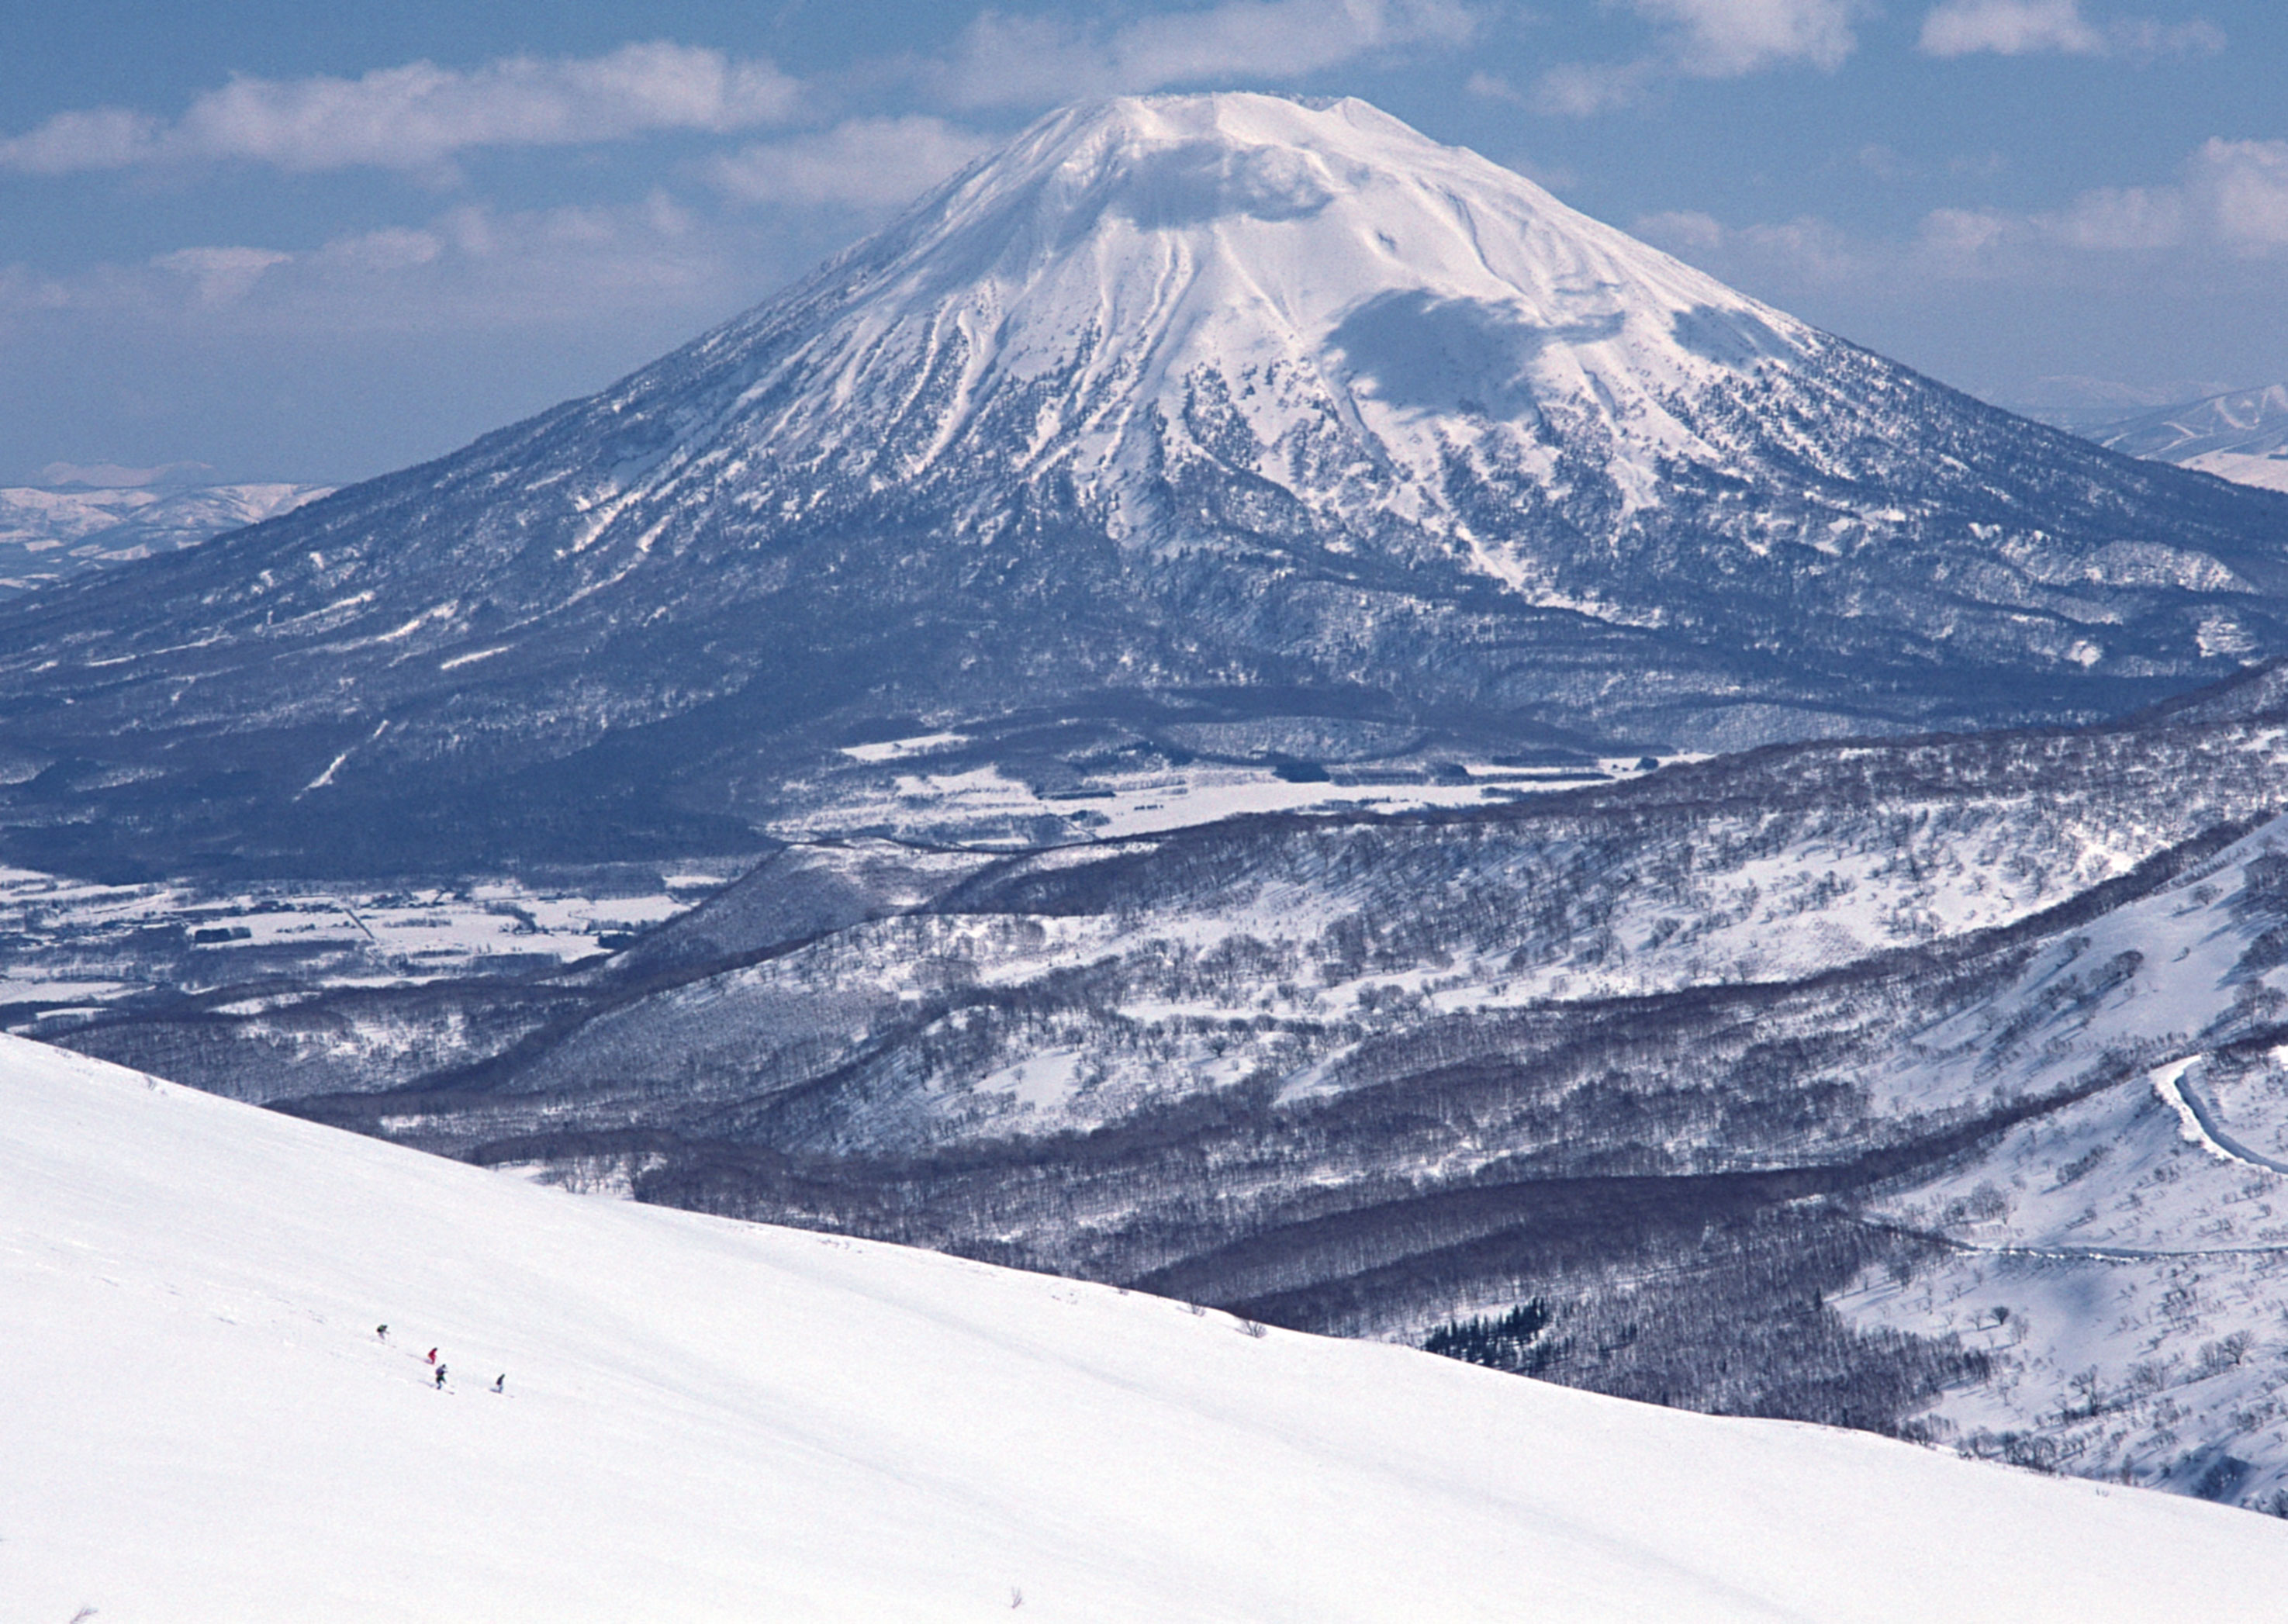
<point x="222" y="275"/>
<point x="469" y="268"/>
<point x="99" y="138"/>
<point x="2233" y="198"/>
<point x="393" y="248"/>
<point x="862" y="162"/>
<point x="1684" y="228"/>
<point x="2243" y="188"/>
<point x="2229" y="203"/>
<point x="376" y="348"/>
<point x="2009" y="27"/>
<point x="420" y="114"/>
<point x="1580" y="89"/>
<point x="2119" y="219"/>
<point x="1988" y="244"/>
<point x="2026" y="28"/>
<point x="1708" y="39"/>
<point x="1721" y="39"/>
<point x="1955" y="244"/>
<point x="1010" y="60"/>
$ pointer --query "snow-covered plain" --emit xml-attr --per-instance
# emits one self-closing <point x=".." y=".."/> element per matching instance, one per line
<point x="75" y="945"/>
<point x="705" y="1420"/>
<point x="978" y="806"/>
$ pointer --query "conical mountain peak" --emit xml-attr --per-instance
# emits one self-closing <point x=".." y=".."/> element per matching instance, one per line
<point x="1259" y="405"/>
<point x="1314" y="295"/>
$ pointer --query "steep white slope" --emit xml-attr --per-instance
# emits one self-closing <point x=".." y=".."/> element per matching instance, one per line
<point x="1317" y="295"/>
<point x="705" y="1420"/>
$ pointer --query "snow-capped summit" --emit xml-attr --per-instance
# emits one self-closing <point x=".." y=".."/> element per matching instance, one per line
<point x="1166" y="290"/>
<point x="1231" y="408"/>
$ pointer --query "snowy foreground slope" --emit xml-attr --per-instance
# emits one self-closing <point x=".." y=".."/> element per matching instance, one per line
<point x="711" y="1420"/>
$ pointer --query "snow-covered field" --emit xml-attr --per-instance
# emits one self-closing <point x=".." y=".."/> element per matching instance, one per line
<point x="708" y="1420"/>
<point x="965" y="804"/>
<point x="74" y="944"/>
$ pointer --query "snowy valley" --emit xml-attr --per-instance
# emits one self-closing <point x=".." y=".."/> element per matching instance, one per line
<point x="1755" y="1079"/>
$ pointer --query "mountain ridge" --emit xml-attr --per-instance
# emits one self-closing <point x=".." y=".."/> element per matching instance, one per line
<point x="49" y="532"/>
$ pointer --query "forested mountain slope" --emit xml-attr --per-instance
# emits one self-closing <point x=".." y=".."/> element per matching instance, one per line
<point x="1724" y="1066"/>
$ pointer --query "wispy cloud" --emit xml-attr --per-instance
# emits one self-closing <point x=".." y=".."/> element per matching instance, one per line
<point x="867" y="162"/>
<point x="2244" y="186"/>
<point x="2232" y="199"/>
<point x="1707" y="39"/>
<point x="1726" y="38"/>
<point x="469" y="265"/>
<point x="1005" y="59"/>
<point x="377" y="347"/>
<point x="2029" y="27"/>
<point x="1807" y="250"/>
<point x="222" y="275"/>
<point x="420" y="116"/>
<point x="2229" y="203"/>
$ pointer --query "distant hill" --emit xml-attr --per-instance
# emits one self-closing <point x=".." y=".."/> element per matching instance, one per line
<point x="2241" y="436"/>
<point x="49" y="532"/>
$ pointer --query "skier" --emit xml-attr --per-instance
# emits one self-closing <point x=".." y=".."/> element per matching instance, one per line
<point x="440" y="1378"/>
<point x="500" y="1382"/>
<point x="432" y="1356"/>
<point x="382" y="1331"/>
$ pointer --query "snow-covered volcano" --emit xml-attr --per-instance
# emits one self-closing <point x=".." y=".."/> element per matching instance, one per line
<point x="704" y="1419"/>
<point x="1373" y="332"/>
<point x="1224" y="409"/>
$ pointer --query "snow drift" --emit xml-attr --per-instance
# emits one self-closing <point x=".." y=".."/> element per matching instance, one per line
<point x="707" y="1420"/>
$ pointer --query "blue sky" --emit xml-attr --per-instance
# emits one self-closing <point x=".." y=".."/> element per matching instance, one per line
<point x="317" y="244"/>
